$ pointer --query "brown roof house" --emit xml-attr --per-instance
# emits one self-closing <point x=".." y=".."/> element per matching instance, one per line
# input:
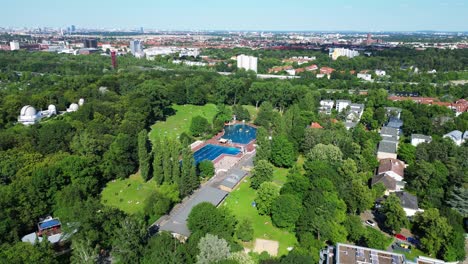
<point x="390" y="173"/>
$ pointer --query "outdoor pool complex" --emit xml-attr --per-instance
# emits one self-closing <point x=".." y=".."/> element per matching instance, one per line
<point x="211" y="152"/>
<point x="240" y="133"/>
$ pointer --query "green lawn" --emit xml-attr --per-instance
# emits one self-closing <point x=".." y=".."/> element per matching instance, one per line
<point x="252" y="111"/>
<point x="128" y="195"/>
<point x="240" y="203"/>
<point x="280" y="176"/>
<point x="180" y="122"/>
<point x="411" y="255"/>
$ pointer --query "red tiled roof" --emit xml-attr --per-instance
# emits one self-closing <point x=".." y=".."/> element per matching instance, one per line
<point x="326" y="70"/>
<point x="315" y="125"/>
<point x="395" y="165"/>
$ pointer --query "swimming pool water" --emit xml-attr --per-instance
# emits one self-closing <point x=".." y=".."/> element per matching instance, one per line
<point x="240" y="133"/>
<point x="211" y="152"/>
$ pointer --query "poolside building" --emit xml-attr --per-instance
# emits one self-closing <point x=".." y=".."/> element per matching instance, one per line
<point x="176" y="224"/>
<point x="233" y="180"/>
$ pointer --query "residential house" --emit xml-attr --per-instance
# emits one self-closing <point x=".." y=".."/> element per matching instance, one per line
<point x="390" y="173"/>
<point x="326" y="106"/>
<point x="380" y="72"/>
<point x="395" y="122"/>
<point x="389" y="134"/>
<point x="409" y="203"/>
<point x="417" y="139"/>
<point x="342" y="104"/>
<point x="456" y="136"/>
<point x="387" y="149"/>
<point x="364" y="76"/>
<point x="316" y="125"/>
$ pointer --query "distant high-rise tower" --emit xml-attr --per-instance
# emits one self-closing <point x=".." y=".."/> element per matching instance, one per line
<point x="114" y="59"/>
<point x="247" y="62"/>
<point x="90" y="43"/>
<point x="73" y="28"/>
<point x="135" y="46"/>
<point x="141" y="30"/>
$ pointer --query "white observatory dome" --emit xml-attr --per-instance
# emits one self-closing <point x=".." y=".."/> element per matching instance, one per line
<point x="52" y="109"/>
<point x="28" y="111"/>
<point x="81" y="102"/>
<point x="73" y="107"/>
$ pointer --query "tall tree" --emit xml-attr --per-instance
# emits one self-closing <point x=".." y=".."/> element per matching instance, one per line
<point x="283" y="153"/>
<point x="263" y="151"/>
<point x="175" y="161"/>
<point x="266" y="194"/>
<point x="245" y="230"/>
<point x="395" y="216"/>
<point x="212" y="249"/>
<point x="285" y="210"/>
<point x="144" y="154"/>
<point x="262" y="172"/>
<point x="158" y="172"/>
<point x="129" y="241"/>
<point x="166" y="160"/>
<point x="189" y="180"/>
<point x="433" y="230"/>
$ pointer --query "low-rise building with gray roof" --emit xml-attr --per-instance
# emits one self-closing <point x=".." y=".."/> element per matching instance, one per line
<point x="387" y="149"/>
<point x="234" y="178"/>
<point x="417" y="139"/>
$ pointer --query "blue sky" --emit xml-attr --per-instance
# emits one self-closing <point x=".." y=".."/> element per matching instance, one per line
<point x="362" y="15"/>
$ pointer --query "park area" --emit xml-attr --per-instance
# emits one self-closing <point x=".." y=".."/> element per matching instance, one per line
<point x="240" y="203"/>
<point x="180" y="122"/>
<point x="128" y="195"/>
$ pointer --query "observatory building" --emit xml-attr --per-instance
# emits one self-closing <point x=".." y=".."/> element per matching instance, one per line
<point x="29" y="116"/>
<point x="73" y="108"/>
<point x="51" y="110"/>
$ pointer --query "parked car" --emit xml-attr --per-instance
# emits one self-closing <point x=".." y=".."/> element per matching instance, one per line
<point x="402" y="247"/>
<point x="370" y="222"/>
<point x="401" y="237"/>
<point x="413" y="241"/>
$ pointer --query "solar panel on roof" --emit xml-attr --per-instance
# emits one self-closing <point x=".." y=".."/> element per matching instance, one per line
<point x="49" y="224"/>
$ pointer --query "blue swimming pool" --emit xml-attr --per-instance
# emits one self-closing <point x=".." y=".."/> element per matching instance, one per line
<point x="211" y="152"/>
<point x="240" y="133"/>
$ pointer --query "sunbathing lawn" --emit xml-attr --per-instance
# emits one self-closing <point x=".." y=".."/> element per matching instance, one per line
<point x="240" y="203"/>
<point x="180" y="122"/>
<point x="128" y="195"/>
<point x="411" y="255"/>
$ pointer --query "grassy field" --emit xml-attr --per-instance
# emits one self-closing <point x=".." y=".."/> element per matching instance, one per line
<point x="280" y="176"/>
<point x="128" y="195"/>
<point x="180" y="122"/>
<point x="240" y="203"/>
<point x="411" y="255"/>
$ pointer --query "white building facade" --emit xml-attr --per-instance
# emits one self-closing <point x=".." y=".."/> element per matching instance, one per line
<point x="247" y="62"/>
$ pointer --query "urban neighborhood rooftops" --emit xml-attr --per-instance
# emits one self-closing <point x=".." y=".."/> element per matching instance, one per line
<point x="408" y="200"/>
<point x="393" y="165"/>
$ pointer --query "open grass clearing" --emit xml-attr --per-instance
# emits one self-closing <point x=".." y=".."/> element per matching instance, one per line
<point x="128" y="195"/>
<point x="180" y="122"/>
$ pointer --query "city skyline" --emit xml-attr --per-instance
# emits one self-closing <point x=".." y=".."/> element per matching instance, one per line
<point x="299" y="15"/>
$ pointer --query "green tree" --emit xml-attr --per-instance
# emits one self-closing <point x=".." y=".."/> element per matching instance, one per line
<point x="433" y="230"/>
<point x="266" y="194"/>
<point x="158" y="172"/>
<point x="262" y="172"/>
<point x="206" y="169"/>
<point x="212" y="249"/>
<point x="144" y="154"/>
<point x="245" y="230"/>
<point x="199" y="126"/>
<point x="175" y="161"/>
<point x="82" y="252"/>
<point x="119" y="160"/>
<point x="163" y="248"/>
<point x="265" y="115"/>
<point x="406" y="153"/>
<point x="206" y="218"/>
<point x="283" y="153"/>
<point x="285" y="210"/>
<point x="129" y="241"/>
<point x="189" y="180"/>
<point x="356" y="230"/>
<point x="375" y="239"/>
<point x="21" y="252"/>
<point x="395" y="216"/>
<point x="263" y="150"/>
<point x="327" y="153"/>
<point x="459" y="200"/>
